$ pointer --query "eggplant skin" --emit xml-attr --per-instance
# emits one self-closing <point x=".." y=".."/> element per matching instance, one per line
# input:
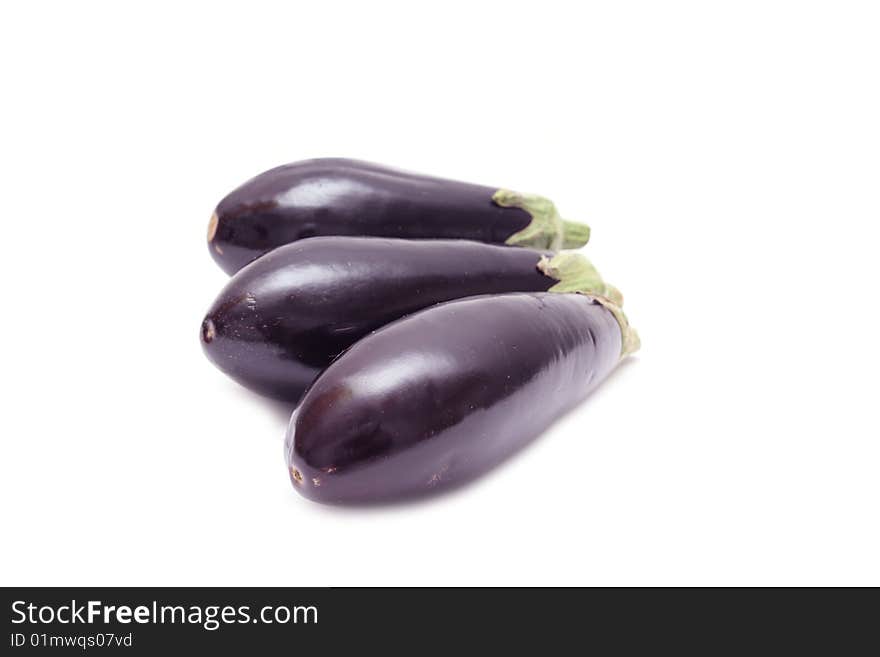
<point x="439" y="397"/>
<point x="282" y="319"/>
<point x="334" y="196"/>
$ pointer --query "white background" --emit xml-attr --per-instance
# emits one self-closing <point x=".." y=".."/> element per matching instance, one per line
<point x="726" y="155"/>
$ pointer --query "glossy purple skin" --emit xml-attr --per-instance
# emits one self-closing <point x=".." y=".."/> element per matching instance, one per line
<point x="439" y="397"/>
<point x="283" y="318"/>
<point x="348" y="197"/>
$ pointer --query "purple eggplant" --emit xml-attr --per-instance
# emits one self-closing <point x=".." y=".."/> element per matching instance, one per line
<point x="286" y="316"/>
<point x="439" y="397"/>
<point x="348" y="197"/>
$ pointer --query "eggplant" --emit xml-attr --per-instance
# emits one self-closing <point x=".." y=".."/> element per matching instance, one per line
<point x="282" y="319"/>
<point x="439" y="397"/>
<point x="335" y="196"/>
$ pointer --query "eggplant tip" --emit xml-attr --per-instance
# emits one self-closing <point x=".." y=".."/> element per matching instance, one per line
<point x="209" y="331"/>
<point x="212" y="226"/>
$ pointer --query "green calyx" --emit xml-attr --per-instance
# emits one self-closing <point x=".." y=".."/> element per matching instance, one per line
<point x="575" y="273"/>
<point x="546" y="230"/>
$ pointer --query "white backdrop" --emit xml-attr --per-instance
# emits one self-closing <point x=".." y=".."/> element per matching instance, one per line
<point x="726" y="155"/>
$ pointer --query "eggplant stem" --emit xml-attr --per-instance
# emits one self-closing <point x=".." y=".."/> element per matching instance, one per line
<point x="546" y="230"/>
<point x="574" y="234"/>
<point x="577" y="274"/>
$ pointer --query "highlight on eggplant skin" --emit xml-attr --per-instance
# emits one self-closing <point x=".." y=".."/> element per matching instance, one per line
<point x="282" y="319"/>
<point x="439" y="397"/>
<point x="335" y="196"/>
